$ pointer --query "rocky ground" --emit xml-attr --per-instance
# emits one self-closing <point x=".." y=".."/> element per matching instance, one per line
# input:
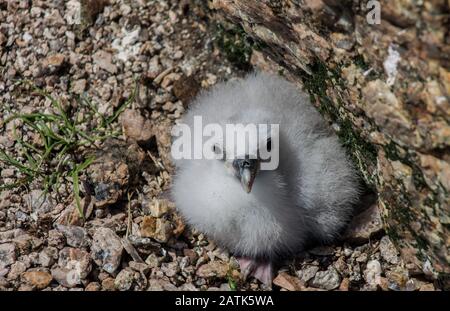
<point x="124" y="72"/>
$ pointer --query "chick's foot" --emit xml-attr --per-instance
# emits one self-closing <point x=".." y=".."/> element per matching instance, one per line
<point x="262" y="271"/>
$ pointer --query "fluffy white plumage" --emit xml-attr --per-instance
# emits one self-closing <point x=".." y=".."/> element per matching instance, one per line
<point x="308" y="198"/>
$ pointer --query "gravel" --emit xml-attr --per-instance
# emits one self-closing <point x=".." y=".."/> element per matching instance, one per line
<point x="329" y="279"/>
<point x="107" y="249"/>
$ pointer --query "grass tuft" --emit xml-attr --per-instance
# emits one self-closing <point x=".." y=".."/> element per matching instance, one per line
<point x="56" y="154"/>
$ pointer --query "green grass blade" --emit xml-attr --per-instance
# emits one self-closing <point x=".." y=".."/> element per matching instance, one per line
<point x="123" y="106"/>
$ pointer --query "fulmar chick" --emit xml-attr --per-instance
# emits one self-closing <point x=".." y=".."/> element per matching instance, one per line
<point x="265" y="215"/>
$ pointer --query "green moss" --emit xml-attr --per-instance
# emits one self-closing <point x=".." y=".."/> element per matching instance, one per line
<point x="236" y="45"/>
<point x="370" y="72"/>
<point x="276" y="6"/>
<point x="353" y="140"/>
<point x="392" y="153"/>
<point x="402" y="214"/>
<point x="422" y="243"/>
<point x="316" y="84"/>
<point x="392" y="233"/>
<point x="363" y="153"/>
<point x="360" y="62"/>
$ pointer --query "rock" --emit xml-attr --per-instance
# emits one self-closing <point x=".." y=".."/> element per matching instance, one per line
<point x="111" y="178"/>
<point x="79" y="86"/>
<point x="56" y="239"/>
<point x="156" y="228"/>
<point x="108" y="284"/>
<point x="154" y="68"/>
<point x="2" y="39"/>
<point x="39" y="202"/>
<point x="89" y="11"/>
<point x="344" y="285"/>
<point x="4" y="283"/>
<point x="169" y="79"/>
<point x="128" y="279"/>
<point x="191" y="254"/>
<point x="179" y="224"/>
<point x="288" y="282"/>
<point x="131" y="250"/>
<point x="71" y="215"/>
<point x="25" y="288"/>
<point x="75" y="259"/>
<point x="48" y="256"/>
<point x="140" y="267"/>
<point x="372" y="273"/>
<point x="159" y="208"/>
<point x="388" y="250"/>
<point x="213" y="269"/>
<point x="362" y="258"/>
<point x="125" y="9"/>
<point x="106" y="250"/>
<point x="170" y="268"/>
<point x="16" y="270"/>
<point x="364" y="226"/>
<point x="124" y="280"/>
<point x="307" y="273"/>
<point x="329" y="279"/>
<point x="427" y="288"/>
<point x="117" y="166"/>
<point x="413" y="285"/>
<point x="384" y="284"/>
<point x="154" y="285"/>
<point x="7" y="173"/>
<point x="385" y="109"/>
<point x="73" y="266"/>
<point x="128" y="46"/>
<point x="160" y="285"/>
<point x="73" y="12"/>
<point x="75" y="236"/>
<point x="162" y="75"/>
<point x="4" y="272"/>
<point x="136" y="127"/>
<point x="436" y="171"/>
<point x="93" y="287"/>
<point x="26" y="243"/>
<point x="211" y="79"/>
<point x="38" y="279"/>
<point x="104" y="60"/>
<point x="190" y="287"/>
<point x="397" y="277"/>
<point x="185" y="89"/>
<point x="348" y="252"/>
<point x="341" y="265"/>
<point x="152" y="261"/>
<point x="53" y="64"/>
<point x="7" y="255"/>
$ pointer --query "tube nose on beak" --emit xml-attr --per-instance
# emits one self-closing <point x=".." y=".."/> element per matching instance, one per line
<point x="246" y="180"/>
<point x="246" y="169"/>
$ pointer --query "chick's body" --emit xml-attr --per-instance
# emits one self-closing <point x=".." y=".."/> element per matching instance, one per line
<point x="307" y="198"/>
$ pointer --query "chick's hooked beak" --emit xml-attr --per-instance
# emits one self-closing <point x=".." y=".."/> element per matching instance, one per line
<point x="246" y="170"/>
